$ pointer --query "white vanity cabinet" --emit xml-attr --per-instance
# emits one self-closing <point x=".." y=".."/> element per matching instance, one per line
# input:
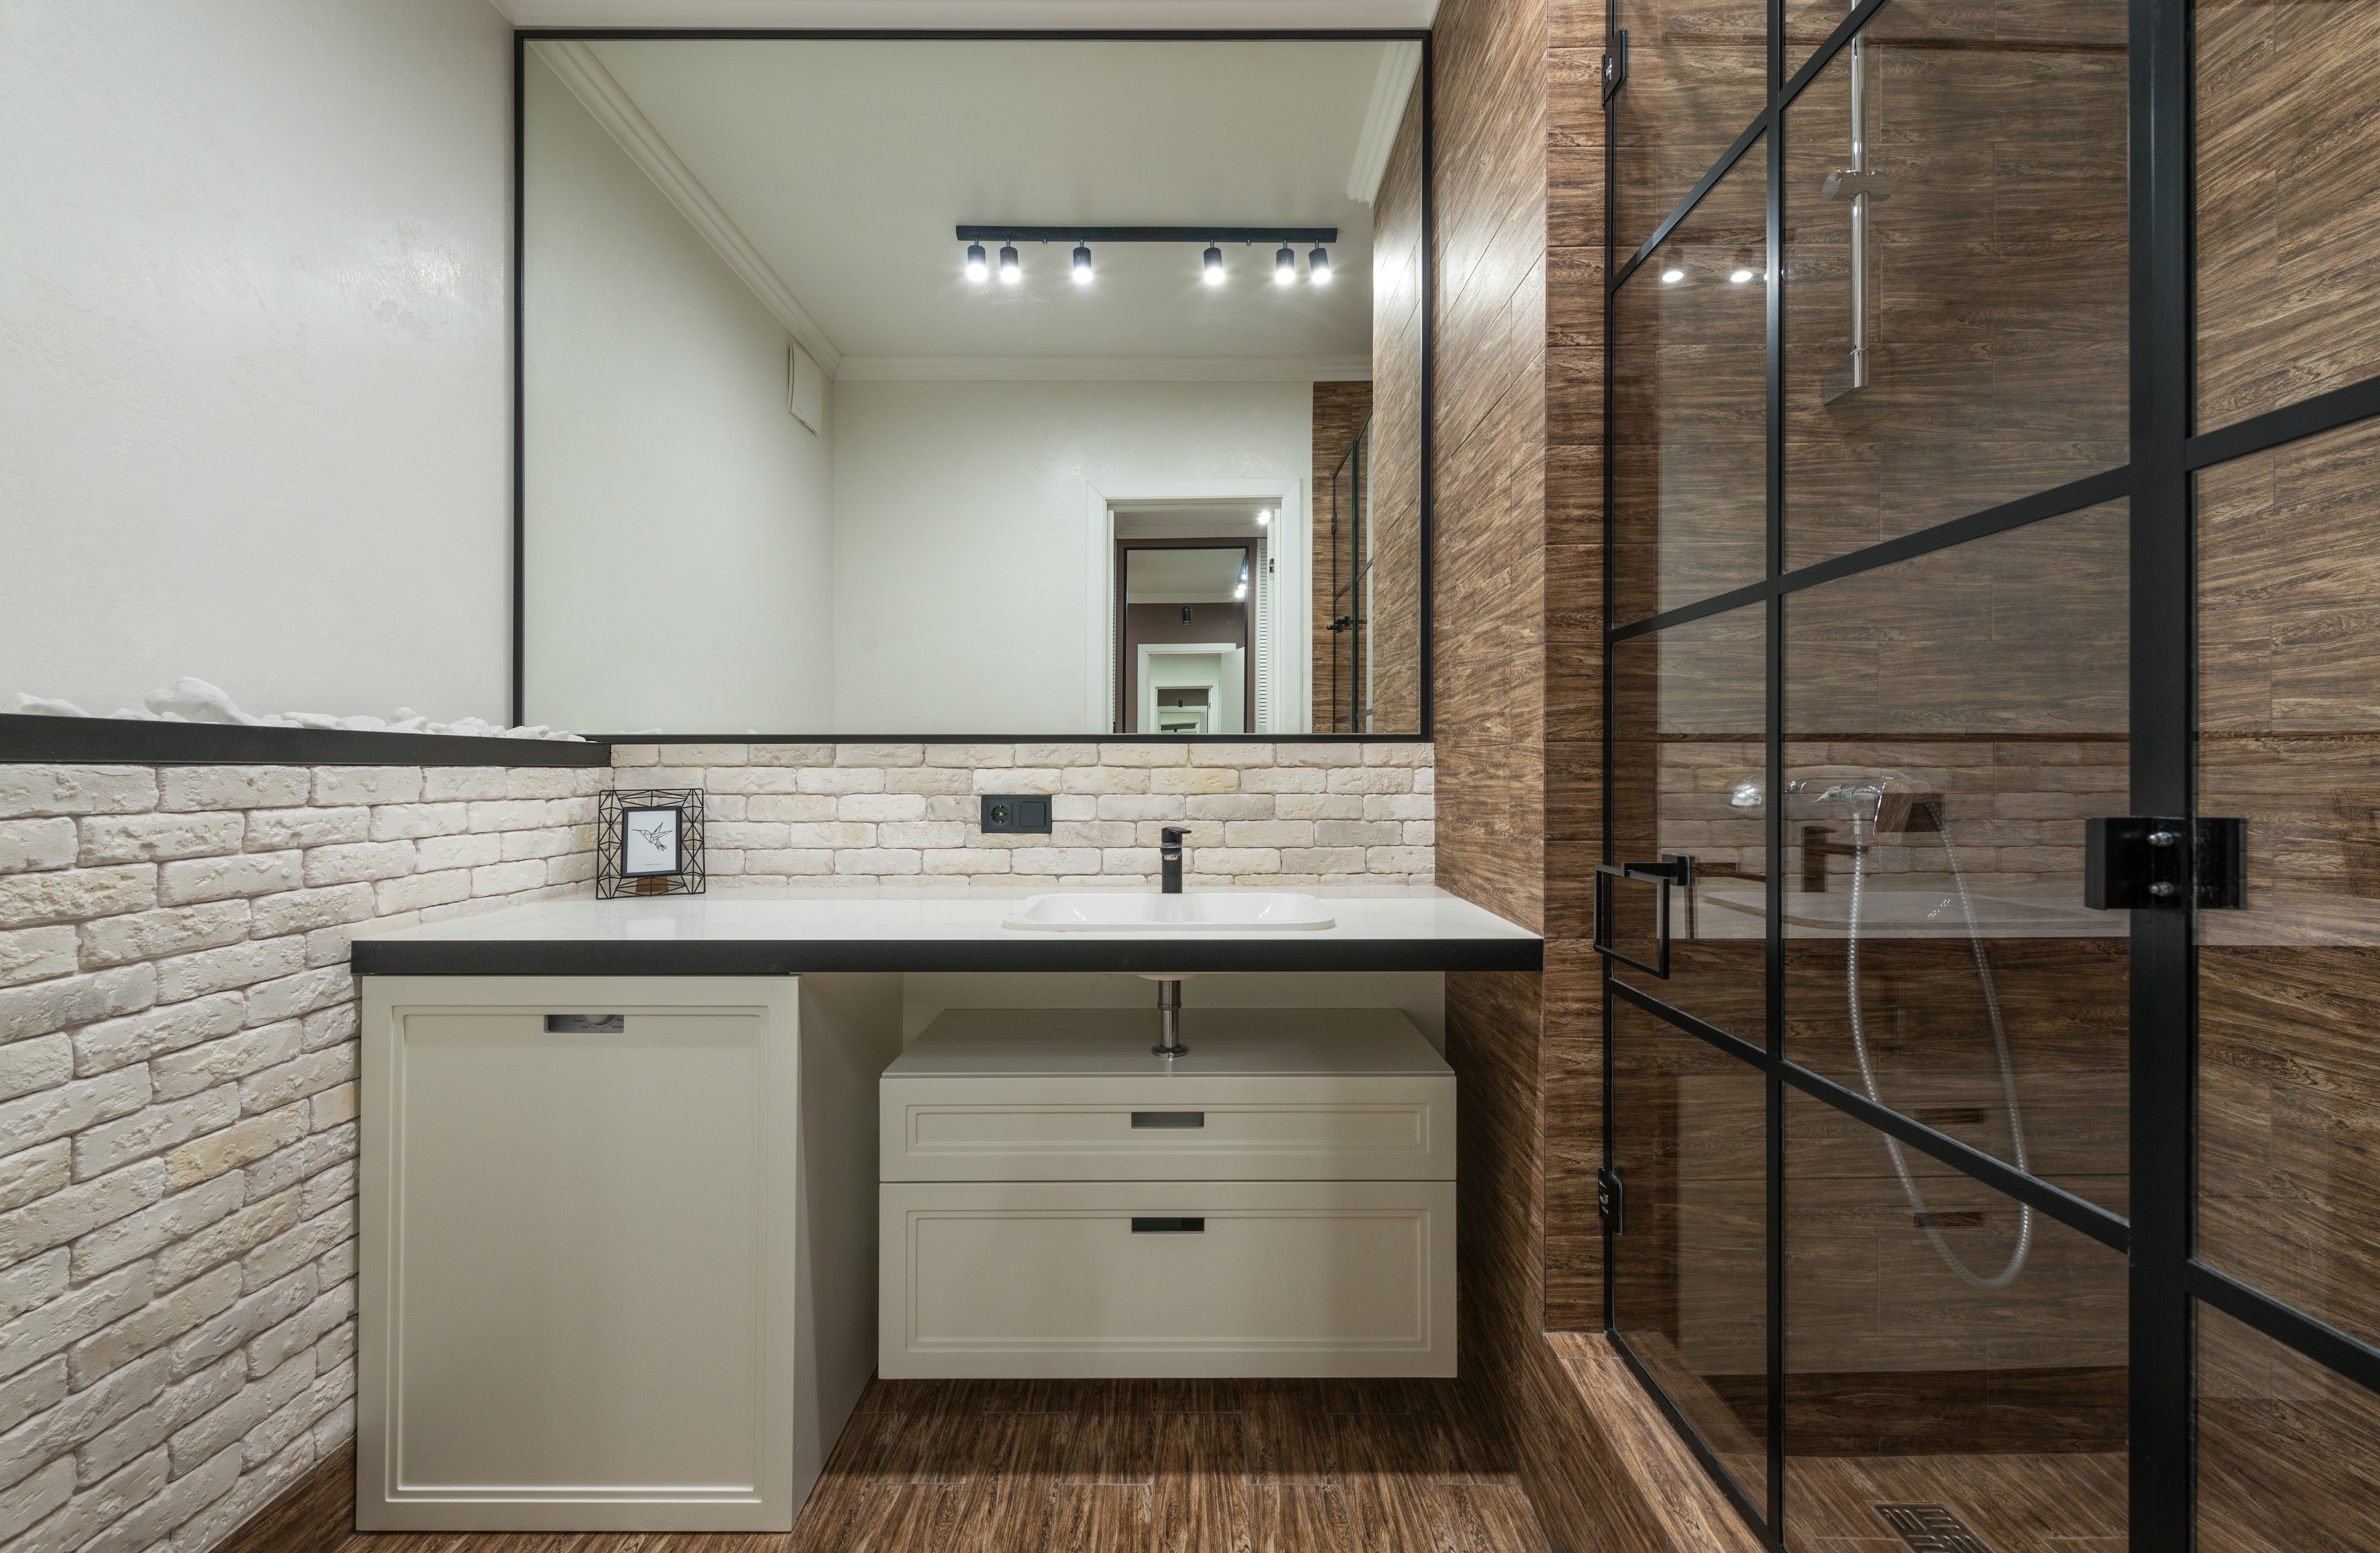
<point x="1057" y="1201"/>
<point x="615" y="1234"/>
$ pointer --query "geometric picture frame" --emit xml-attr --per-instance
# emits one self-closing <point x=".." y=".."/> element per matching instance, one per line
<point x="649" y="842"/>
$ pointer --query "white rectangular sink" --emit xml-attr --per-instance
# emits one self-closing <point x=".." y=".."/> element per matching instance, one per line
<point x="1233" y="911"/>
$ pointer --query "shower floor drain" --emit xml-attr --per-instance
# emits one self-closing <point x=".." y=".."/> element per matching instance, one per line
<point x="1931" y="1528"/>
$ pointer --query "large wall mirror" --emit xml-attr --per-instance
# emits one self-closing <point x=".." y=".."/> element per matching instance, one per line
<point x="1006" y="386"/>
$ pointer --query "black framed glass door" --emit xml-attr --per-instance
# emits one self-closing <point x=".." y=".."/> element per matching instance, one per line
<point x="1990" y="452"/>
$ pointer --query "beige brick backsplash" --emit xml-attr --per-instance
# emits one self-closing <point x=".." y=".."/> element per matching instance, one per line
<point x="786" y="816"/>
<point x="178" y="1090"/>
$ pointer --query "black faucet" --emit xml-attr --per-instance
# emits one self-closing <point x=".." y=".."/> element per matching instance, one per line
<point x="1169" y="856"/>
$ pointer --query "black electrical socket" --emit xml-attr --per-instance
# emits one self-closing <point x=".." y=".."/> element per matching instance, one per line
<point x="1015" y="814"/>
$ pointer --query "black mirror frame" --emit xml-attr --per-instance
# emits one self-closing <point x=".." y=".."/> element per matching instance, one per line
<point x="523" y="37"/>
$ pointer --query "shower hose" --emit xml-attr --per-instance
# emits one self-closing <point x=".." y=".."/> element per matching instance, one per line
<point x="2006" y="1275"/>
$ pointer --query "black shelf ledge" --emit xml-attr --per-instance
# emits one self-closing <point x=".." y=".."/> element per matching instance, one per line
<point x="122" y="740"/>
<point x="1067" y="951"/>
<point x="1009" y="738"/>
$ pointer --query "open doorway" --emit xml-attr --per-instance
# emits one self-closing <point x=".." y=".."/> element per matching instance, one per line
<point x="1187" y="609"/>
<point x="1191" y="637"/>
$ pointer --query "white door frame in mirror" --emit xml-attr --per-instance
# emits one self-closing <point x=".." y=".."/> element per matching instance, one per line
<point x="1226" y="689"/>
<point x="1284" y="701"/>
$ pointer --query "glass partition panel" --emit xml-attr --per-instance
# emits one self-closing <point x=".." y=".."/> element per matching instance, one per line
<point x="1697" y="77"/>
<point x="1690" y="1275"/>
<point x="1953" y="1360"/>
<point x="1954" y="256"/>
<point x="2288" y="191"/>
<point x="2288" y="1453"/>
<point x="1690" y="379"/>
<point x="2289" y="565"/>
<point x="1686" y="737"/>
<point x="1950" y="722"/>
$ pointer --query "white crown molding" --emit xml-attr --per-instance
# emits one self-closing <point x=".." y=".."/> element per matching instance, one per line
<point x="618" y="114"/>
<point x="1105" y="369"/>
<point x="966" y="15"/>
<point x="1390" y="90"/>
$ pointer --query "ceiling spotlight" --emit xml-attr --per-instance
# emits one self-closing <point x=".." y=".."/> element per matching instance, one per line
<point x="1082" y="265"/>
<point x="1284" y="266"/>
<point x="1671" y="277"/>
<point x="976" y="267"/>
<point x="1214" y="265"/>
<point x="1264" y="515"/>
<point x="1241" y="591"/>
<point x="1741" y="276"/>
<point x="1008" y="270"/>
<point x="1318" y="266"/>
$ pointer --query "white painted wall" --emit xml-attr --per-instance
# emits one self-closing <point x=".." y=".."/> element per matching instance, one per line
<point x="680" y="551"/>
<point x="253" y="391"/>
<point x="960" y="544"/>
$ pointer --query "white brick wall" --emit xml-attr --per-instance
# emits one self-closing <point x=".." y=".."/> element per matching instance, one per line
<point x="177" y="1104"/>
<point x="863" y="815"/>
<point x="179" y="1054"/>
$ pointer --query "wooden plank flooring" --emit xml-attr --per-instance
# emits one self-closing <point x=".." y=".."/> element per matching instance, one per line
<point x="1129" y="1466"/>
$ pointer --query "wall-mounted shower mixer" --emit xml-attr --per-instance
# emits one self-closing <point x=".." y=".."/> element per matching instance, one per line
<point x="1863" y="796"/>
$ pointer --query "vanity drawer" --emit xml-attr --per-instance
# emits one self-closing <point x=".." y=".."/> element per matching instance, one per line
<point x="1088" y="1279"/>
<point x="1392" y="1127"/>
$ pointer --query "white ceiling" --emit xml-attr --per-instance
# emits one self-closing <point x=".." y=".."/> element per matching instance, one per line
<point x="847" y="163"/>
<point x="1181" y="576"/>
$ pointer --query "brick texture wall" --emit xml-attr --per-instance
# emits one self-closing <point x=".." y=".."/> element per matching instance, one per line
<point x="178" y="1039"/>
<point x="823" y="815"/>
<point x="177" y="1104"/>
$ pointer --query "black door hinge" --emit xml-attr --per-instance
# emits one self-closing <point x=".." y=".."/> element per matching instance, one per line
<point x="1611" y="1200"/>
<point x="1615" y="65"/>
<point x="2154" y="863"/>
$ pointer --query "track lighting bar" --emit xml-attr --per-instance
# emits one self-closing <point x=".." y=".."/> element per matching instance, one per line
<point x="1149" y="235"/>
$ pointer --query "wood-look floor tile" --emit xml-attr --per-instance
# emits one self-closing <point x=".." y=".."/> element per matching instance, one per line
<point x="1299" y="1518"/>
<point x="1385" y="1475"/>
<point x="908" y="1518"/>
<point x="1101" y="1518"/>
<point x="1491" y="1518"/>
<point x="1192" y="1394"/>
<point x="935" y="1444"/>
<point x="1007" y="1508"/>
<point x="1464" y="1444"/>
<point x="1372" y="1396"/>
<point x="1111" y="1448"/>
<point x="1288" y="1436"/>
<point x="1201" y="1503"/>
<point x="826" y="1521"/>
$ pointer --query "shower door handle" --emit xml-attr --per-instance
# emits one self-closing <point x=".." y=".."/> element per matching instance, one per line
<point x="1675" y="868"/>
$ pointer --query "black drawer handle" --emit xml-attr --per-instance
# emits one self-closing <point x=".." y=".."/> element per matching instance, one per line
<point x="1169" y="1119"/>
<point x="585" y="1025"/>
<point x="1169" y="1226"/>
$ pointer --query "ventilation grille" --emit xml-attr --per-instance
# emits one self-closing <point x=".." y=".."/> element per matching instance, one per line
<point x="1931" y="1528"/>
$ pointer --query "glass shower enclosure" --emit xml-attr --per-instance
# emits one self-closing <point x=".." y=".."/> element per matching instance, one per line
<point x="1991" y="906"/>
